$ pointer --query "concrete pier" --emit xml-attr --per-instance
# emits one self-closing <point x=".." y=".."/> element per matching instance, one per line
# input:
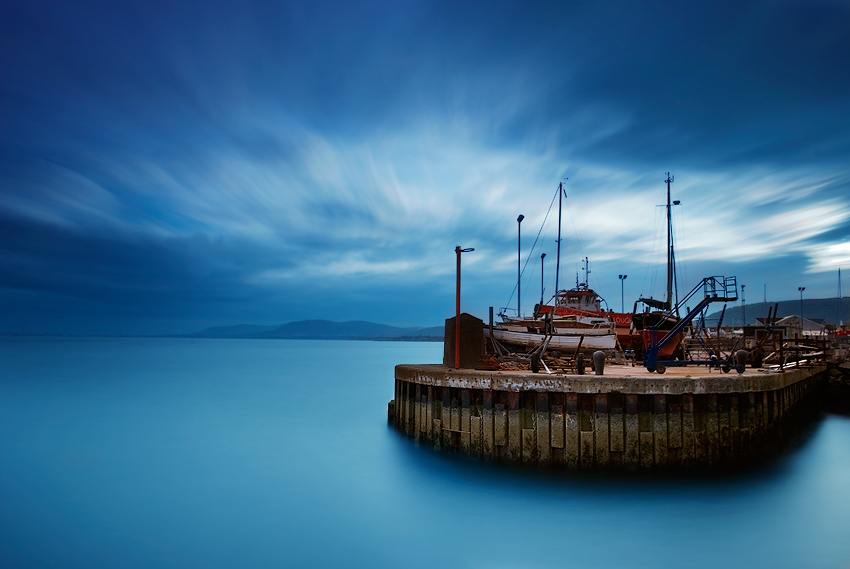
<point x="626" y="420"/>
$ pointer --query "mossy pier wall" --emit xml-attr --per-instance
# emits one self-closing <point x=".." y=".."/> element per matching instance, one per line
<point x="633" y="421"/>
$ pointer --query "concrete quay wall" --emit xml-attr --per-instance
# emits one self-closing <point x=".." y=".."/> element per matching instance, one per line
<point x="630" y="421"/>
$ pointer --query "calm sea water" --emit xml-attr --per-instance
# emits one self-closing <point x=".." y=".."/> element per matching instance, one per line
<point x="251" y="453"/>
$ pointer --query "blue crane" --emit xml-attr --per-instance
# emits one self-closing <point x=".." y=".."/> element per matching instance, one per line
<point x="714" y="289"/>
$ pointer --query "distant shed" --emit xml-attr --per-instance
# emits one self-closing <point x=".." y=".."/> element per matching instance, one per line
<point x="803" y="327"/>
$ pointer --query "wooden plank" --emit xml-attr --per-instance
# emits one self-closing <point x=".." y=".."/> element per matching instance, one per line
<point x="402" y="407"/>
<point x="557" y="427"/>
<point x="723" y="422"/>
<point x="571" y="436"/>
<point x="475" y="435"/>
<point x="772" y="400"/>
<point x="586" y="450"/>
<point x="617" y="426"/>
<point x="601" y="430"/>
<point x="586" y="434"/>
<point x="529" y="446"/>
<point x="660" y="429"/>
<point x="418" y="425"/>
<point x="397" y="405"/>
<point x="501" y="425"/>
<point x="700" y="437"/>
<point x="542" y="427"/>
<point x="465" y="428"/>
<point x="514" y="428"/>
<point x="429" y="412"/>
<point x="408" y="409"/>
<point x="446" y="417"/>
<point x="736" y="436"/>
<point x="647" y="450"/>
<point x="487" y="427"/>
<point x="688" y="443"/>
<point x="712" y="429"/>
<point x="455" y="411"/>
<point x="632" y="443"/>
<point x="750" y="447"/>
<point x="617" y="432"/>
<point x="674" y="422"/>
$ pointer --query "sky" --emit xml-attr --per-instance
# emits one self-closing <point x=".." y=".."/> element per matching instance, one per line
<point x="168" y="166"/>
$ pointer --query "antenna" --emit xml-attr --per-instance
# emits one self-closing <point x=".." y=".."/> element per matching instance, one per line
<point x="586" y="271"/>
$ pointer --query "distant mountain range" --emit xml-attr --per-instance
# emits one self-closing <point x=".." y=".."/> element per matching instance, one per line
<point x="825" y="309"/>
<point x="324" y="330"/>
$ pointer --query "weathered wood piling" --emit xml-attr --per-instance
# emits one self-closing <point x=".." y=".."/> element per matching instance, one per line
<point x="626" y="420"/>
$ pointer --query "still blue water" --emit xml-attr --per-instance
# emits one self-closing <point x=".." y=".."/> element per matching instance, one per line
<point x="253" y="453"/>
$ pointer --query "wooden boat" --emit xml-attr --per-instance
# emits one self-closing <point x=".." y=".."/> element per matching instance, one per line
<point x="589" y="340"/>
<point x="588" y="329"/>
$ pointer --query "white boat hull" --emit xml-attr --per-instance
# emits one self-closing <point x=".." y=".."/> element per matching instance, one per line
<point x="565" y="331"/>
<point x="563" y="342"/>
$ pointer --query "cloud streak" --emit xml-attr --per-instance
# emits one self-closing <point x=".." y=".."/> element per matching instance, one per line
<point x="237" y="164"/>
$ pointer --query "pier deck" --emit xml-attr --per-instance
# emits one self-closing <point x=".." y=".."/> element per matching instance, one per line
<point x="689" y="418"/>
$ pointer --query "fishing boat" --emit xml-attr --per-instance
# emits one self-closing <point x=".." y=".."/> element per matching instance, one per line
<point x="583" y="302"/>
<point x="661" y="316"/>
<point x="563" y="339"/>
<point x="563" y="327"/>
<point x="634" y="330"/>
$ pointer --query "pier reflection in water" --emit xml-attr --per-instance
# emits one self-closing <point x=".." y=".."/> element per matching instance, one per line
<point x="225" y="453"/>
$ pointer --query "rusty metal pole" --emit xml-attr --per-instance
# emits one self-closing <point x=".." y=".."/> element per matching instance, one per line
<point x="457" y="312"/>
<point x="458" y="250"/>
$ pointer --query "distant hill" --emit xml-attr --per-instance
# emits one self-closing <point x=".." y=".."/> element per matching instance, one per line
<point x="823" y="308"/>
<point x="324" y="330"/>
<point x="238" y="331"/>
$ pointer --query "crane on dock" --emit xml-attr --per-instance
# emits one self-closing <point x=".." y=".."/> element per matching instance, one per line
<point x="714" y="289"/>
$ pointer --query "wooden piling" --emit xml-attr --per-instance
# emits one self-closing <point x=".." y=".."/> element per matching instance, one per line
<point x="603" y="422"/>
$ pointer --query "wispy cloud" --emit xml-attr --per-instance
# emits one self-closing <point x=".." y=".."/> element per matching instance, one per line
<point x="181" y="155"/>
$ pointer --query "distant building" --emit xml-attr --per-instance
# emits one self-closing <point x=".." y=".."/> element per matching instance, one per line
<point x="806" y="328"/>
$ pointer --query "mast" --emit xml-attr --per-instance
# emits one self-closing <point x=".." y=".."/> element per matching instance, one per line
<point x="669" y="247"/>
<point x="558" y="257"/>
<point x="840" y="319"/>
<point x="667" y="304"/>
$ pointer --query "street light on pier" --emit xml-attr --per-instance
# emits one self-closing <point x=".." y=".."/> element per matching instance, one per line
<point x="458" y="250"/>
<point x="622" y="294"/>
<point x="518" y="259"/>
<point x="743" y="307"/>
<point x="801" y="289"/>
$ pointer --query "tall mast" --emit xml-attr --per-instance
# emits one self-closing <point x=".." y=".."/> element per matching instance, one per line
<point x="669" y="247"/>
<point x="558" y="257"/>
<point x="840" y="319"/>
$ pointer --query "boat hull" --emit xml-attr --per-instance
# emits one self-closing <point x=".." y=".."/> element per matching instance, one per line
<point x="644" y="322"/>
<point x="628" y="338"/>
<point x="559" y="342"/>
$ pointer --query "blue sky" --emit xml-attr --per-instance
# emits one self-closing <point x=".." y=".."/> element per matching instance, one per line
<point x="167" y="166"/>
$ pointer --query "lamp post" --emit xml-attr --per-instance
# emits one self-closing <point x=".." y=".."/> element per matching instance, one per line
<point x="743" y="307"/>
<point x="458" y="250"/>
<point x="801" y="289"/>
<point x="518" y="258"/>
<point x="543" y="256"/>
<point x="622" y="294"/>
